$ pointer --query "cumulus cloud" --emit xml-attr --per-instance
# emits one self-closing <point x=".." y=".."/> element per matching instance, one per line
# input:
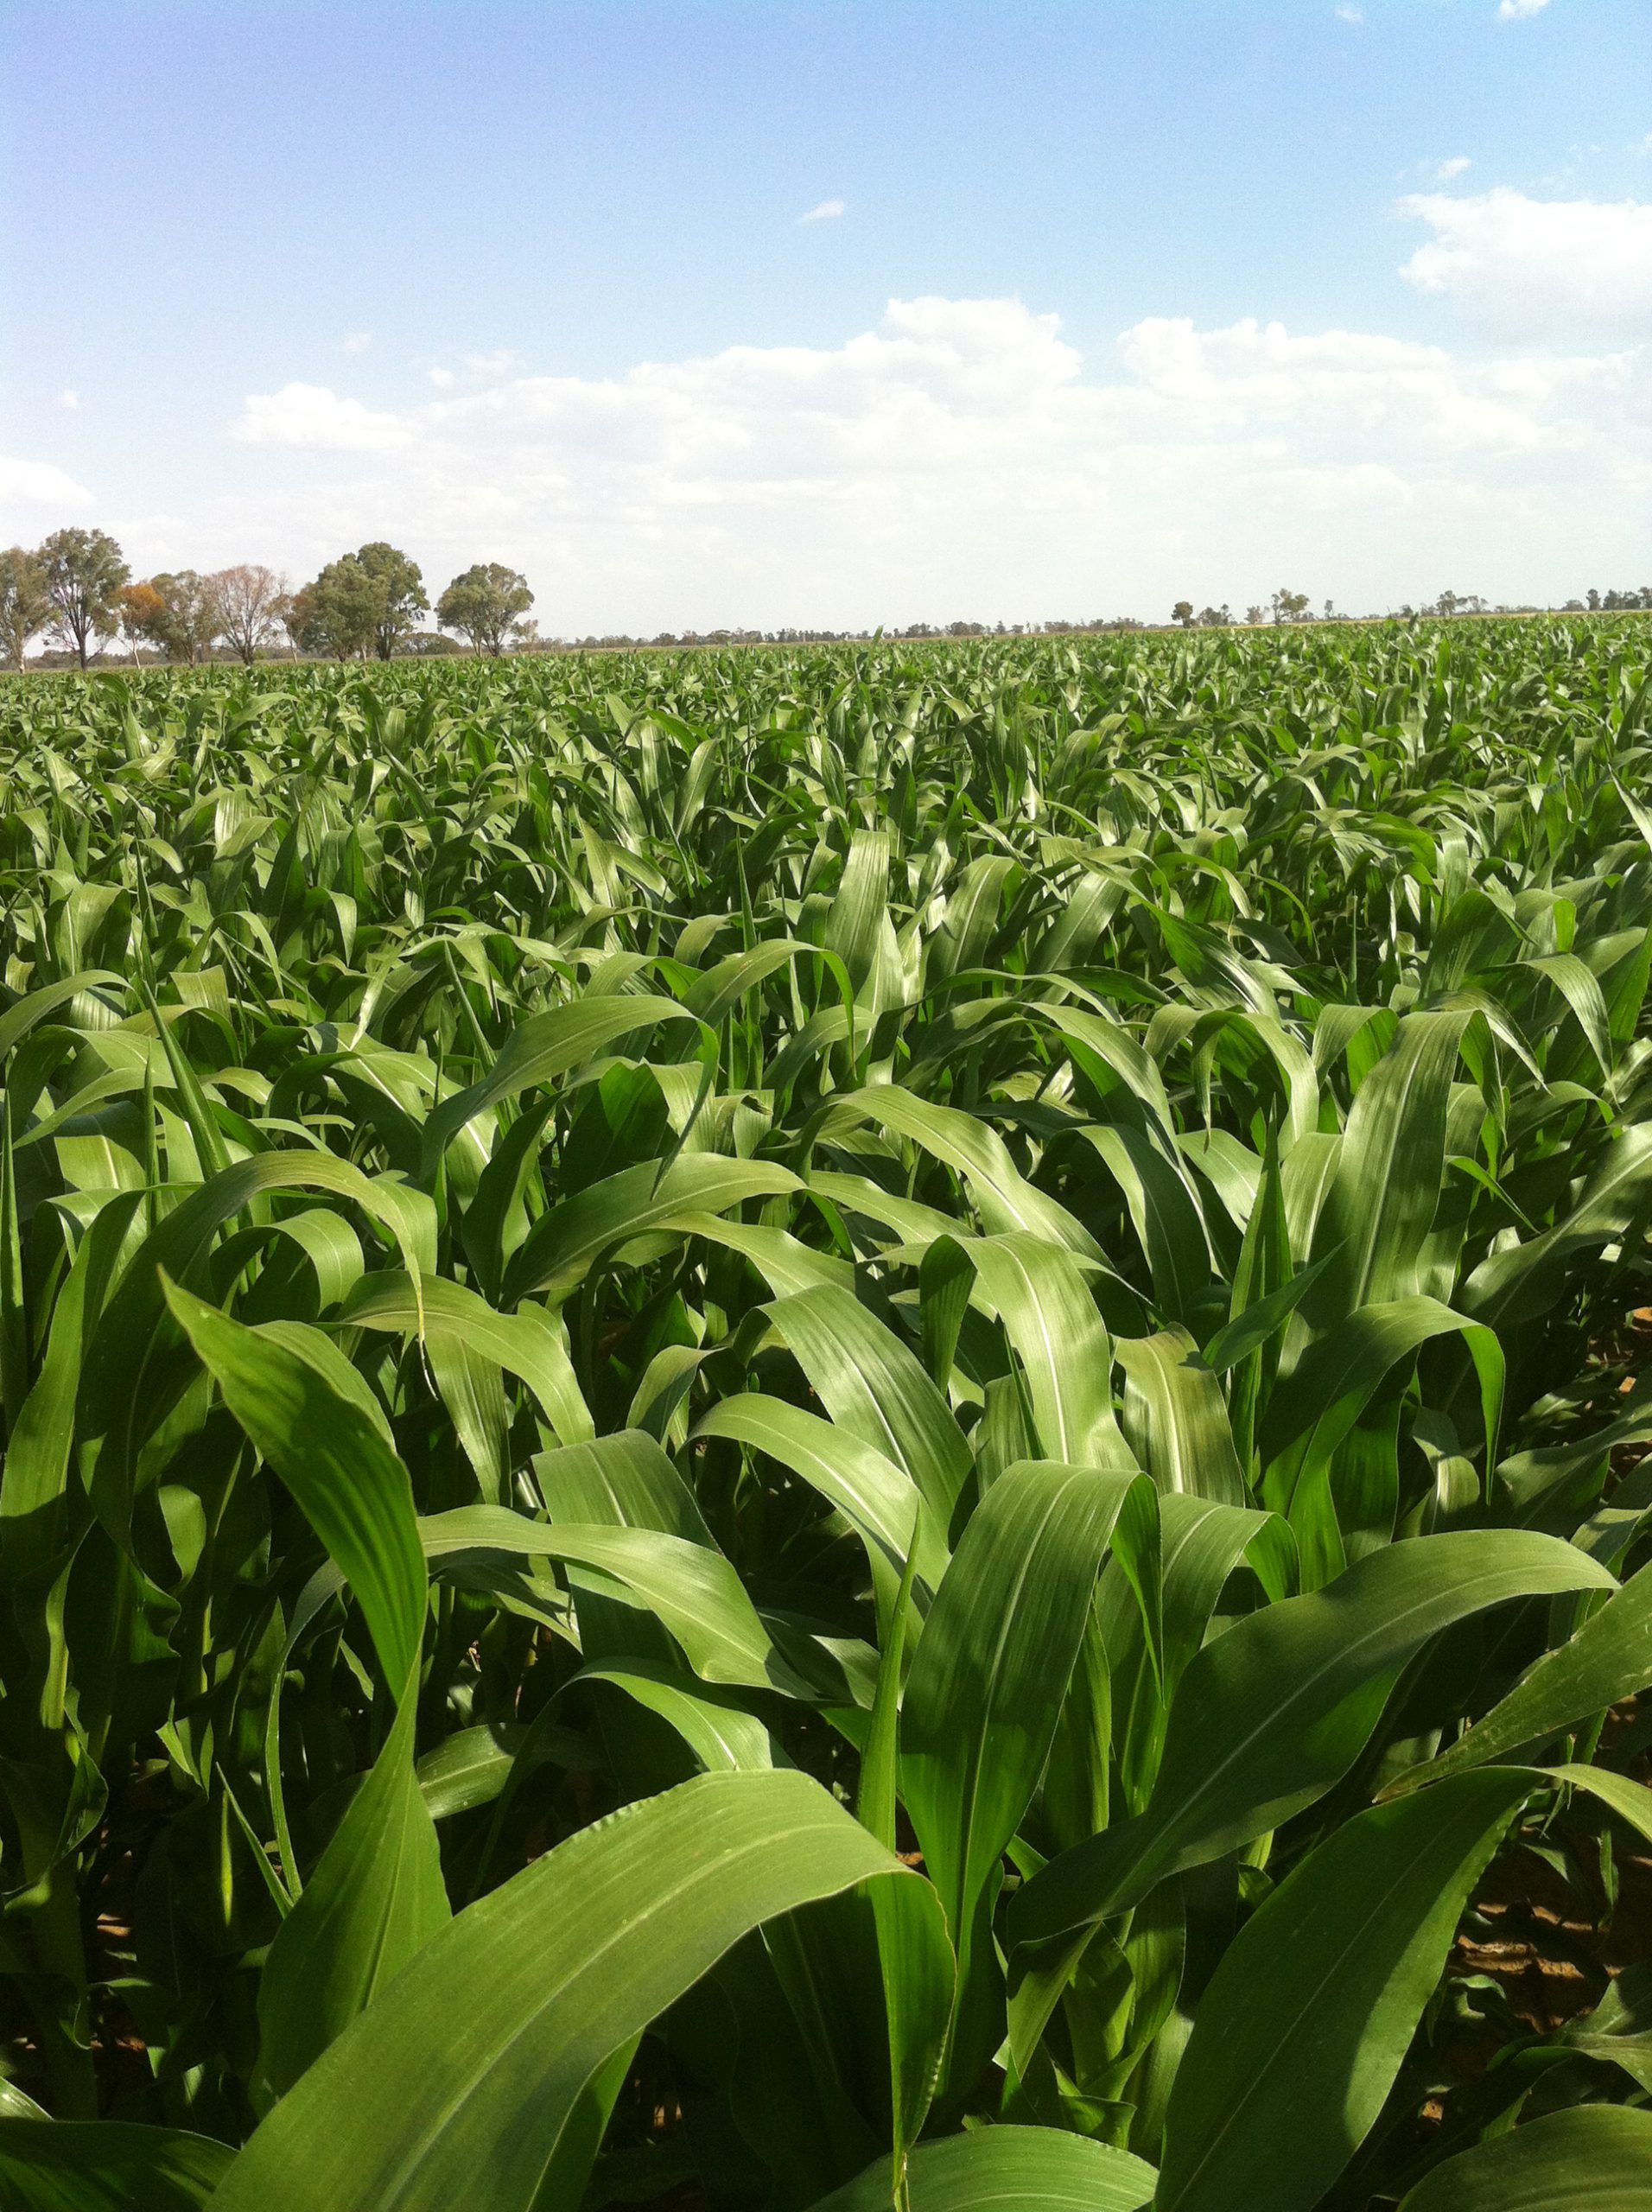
<point x="827" y="211"/>
<point x="442" y="379"/>
<point x="34" y="484"/>
<point x="309" y="417"/>
<point x="499" y="363"/>
<point x="963" y="456"/>
<point x="1537" y="267"/>
<point x="1518" y="11"/>
<point x="1445" y="171"/>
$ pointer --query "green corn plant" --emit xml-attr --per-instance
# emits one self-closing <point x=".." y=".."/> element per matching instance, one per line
<point x="842" y="1427"/>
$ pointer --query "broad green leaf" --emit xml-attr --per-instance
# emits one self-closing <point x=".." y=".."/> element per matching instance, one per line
<point x="1593" y="2158"/>
<point x="458" y="2085"/>
<point x="112" y="1398"/>
<point x="722" y="1735"/>
<point x="625" y="1478"/>
<point x="1316" y="1406"/>
<point x="874" y="1803"/>
<point x="472" y="1766"/>
<point x="997" y="1648"/>
<point x="1039" y="1295"/>
<point x="873" y="1387"/>
<point x="1521" y="1282"/>
<point x="1166" y="1217"/>
<point x="1619" y="2030"/>
<point x="1608" y="1658"/>
<point x="546" y="1047"/>
<point x="354" y="1490"/>
<point x="106" y="2166"/>
<point x="1380" y="1205"/>
<point x="1176" y="1419"/>
<point x="1266" y="1718"/>
<point x="875" y="1494"/>
<point x="974" y="1149"/>
<point x="527" y="1344"/>
<point x="1007" y="2170"/>
<point x="374" y="1900"/>
<point x="1301" y="2031"/>
<point x="692" y="1590"/>
<point x="564" y="1243"/>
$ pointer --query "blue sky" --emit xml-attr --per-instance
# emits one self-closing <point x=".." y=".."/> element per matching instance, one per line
<point x="1187" y="298"/>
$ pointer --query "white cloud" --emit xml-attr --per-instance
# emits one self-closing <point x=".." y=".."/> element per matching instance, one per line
<point x="35" y="484"/>
<point x="964" y="457"/>
<point x="358" y="341"/>
<point x="69" y="398"/>
<point x="1445" y="171"/>
<point x="441" y="377"/>
<point x="1538" y="268"/>
<point x="499" y="363"/>
<point x="1350" y="15"/>
<point x="1518" y="11"/>
<point x="309" y="417"/>
<point x="827" y="211"/>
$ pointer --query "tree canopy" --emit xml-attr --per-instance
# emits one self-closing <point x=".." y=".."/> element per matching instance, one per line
<point x="399" y="586"/>
<point x="250" y="602"/>
<point x="25" y="604"/>
<point x="485" y="604"/>
<point x="335" y="615"/>
<point x="364" y="602"/>
<point x="84" y="572"/>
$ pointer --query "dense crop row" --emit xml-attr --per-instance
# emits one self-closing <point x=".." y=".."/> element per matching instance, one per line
<point x="769" y="1411"/>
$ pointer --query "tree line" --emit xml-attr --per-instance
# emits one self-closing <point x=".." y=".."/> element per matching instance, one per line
<point x="1287" y="605"/>
<point x="77" y="589"/>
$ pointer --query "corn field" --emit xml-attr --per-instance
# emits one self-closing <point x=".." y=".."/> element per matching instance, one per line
<point x="840" y="1428"/>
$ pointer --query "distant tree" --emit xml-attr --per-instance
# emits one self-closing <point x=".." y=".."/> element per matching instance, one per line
<point x="1594" y="602"/>
<point x="1289" y="606"/>
<point x="177" y="613"/>
<point x="485" y="604"/>
<point x="145" y="618"/>
<point x="1183" y="613"/>
<point x="84" y="571"/>
<point x="337" y="615"/>
<point x="297" y="612"/>
<point x="25" y="603"/>
<point x="1255" y="614"/>
<point x="400" y="586"/>
<point x="250" y="600"/>
<point x="193" y="620"/>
